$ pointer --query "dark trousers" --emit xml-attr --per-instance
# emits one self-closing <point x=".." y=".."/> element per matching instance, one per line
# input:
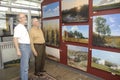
<point x="40" y="58"/>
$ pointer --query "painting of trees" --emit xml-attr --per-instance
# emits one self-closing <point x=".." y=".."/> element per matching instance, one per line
<point x="76" y="11"/>
<point x="51" y="30"/>
<point x="104" y="32"/>
<point x="76" y="33"/>
<point x="102" y="28"/>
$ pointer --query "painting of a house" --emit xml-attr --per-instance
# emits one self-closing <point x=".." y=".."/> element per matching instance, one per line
<point x="75" y="33"/>
<point x="77" y="56"/>
<point x="106" y="60"/>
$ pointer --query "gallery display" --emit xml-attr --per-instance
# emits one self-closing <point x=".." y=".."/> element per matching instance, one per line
<point x="84" y="34"/>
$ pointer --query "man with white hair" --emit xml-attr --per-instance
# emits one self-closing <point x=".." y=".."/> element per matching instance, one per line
<point x="38" y="46"/>
<point x="22" y="44"/>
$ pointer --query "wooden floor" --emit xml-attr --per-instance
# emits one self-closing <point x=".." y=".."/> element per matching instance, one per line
<point x="56" y="70"/>
<point x="33" y="77"/>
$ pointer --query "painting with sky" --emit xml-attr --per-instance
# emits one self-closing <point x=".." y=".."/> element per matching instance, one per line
<point x="105" y="4"/>
<point x="106" y="30"/>
<point x="51" y="10"/>
<point x="75" y="33"/>
<point x="106" y="60"/>
<point x="74" y="11"/>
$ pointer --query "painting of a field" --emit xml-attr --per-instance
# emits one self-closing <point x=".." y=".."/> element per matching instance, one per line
<point x="53" y="53"/>
<point x="106" y="60"/>
<point x="77" y="57"/>
<point x="105" y="4"/>
<point x="51" y="10"/>
<point x="52" y="33"/>
<point x="75" y="11"/>
<point x="76" y="33"/>
<point x="106" y="29"/>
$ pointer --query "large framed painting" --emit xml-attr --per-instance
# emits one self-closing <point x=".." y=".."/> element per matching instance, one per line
<point x="53" y="53"/>
<point x="77" y="56"/>
<point x="106" y="29"/>
<point x="52" y="33"/>
<point x="51" y="10"/>
<point x="105" y="4"/>
<point x="106" y="60"/>
<point x="75" y="11"/>
<point x="76" y="33"/>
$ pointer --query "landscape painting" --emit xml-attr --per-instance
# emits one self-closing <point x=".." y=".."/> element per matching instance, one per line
<point x="75" y="11"/>
<point x="106" y="29"/>
<point x="76" y="33"/>
<point x="52" y="33"/>
<point x="51" y="10"/>
<point x="105" y="4"/>
<point x="106" y="60"/>
<point x="77" y="56"/>
<point x="53" y="53"/>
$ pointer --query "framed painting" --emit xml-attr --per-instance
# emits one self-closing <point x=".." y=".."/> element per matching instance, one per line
<point x="105" y="4"/>
<point x="76" y="33"/>
<point x="106" y="60"/>
<point x="51" y="10"/>
<point x="77" y="56"/>
<point x="106" y="30"/>
<point x="75" y="11"/>
<point x="53" y="53"/>
<point x="52" y="33"/>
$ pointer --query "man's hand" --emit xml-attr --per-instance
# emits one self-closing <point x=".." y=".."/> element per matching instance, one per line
<point x="35" y="53"/>
<point x="19" y="53"/>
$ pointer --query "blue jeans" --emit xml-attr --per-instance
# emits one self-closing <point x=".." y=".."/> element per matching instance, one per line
<point x="24" y="61"/>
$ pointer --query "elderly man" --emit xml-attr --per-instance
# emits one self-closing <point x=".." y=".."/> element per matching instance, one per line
<point x="38" y="46"/>
<point x="22" y="44"/>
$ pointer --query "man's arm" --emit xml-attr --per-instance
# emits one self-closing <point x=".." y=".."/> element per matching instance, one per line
<point x="31" y="42"/>
<point x="15" y="40"/>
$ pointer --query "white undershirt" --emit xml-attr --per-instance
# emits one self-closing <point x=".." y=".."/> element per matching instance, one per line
<point x="21" y="33"/>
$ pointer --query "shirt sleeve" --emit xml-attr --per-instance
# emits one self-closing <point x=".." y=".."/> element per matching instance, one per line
<point x="17" y="32"/>
<point x="31" y="40"/>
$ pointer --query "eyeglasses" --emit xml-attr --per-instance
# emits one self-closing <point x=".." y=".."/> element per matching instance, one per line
<point x="22" y="17"/>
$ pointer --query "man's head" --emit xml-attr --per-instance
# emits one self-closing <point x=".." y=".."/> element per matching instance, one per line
<point x="35" y="22"/>
<point x="22" y="18"/>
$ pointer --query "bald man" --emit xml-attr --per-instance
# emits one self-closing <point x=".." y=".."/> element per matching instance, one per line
<point x="38" y="46"/>
<point x="22" y="44"/>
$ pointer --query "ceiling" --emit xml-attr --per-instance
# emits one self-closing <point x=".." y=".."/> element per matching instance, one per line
<point x="28" y="3"/>
<point x="23" y="0"/>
